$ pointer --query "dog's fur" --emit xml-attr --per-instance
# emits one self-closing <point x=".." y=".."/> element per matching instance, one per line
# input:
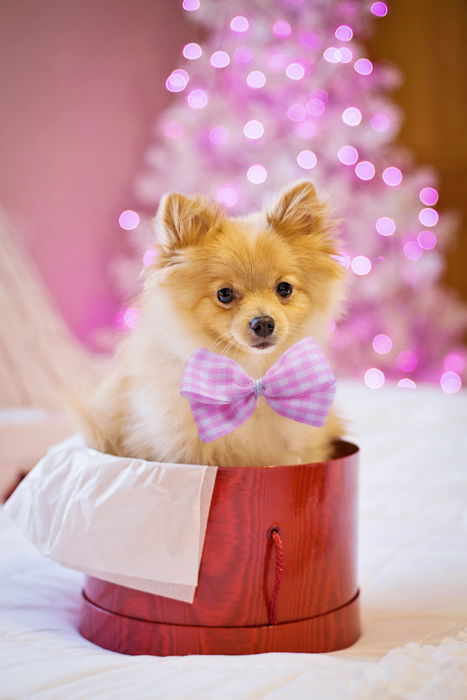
<point x="138" y="411"/>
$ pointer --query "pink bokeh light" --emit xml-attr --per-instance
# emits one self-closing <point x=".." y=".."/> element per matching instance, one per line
<point x="429" y="196"/>
<point x="128" y="220"/>
<point x="428" y="217"/>
<point x="256" y="79"/>
<point x="406" y="383"/>
<point x="295" y="71"/>
<point x="307" y="160"/>
<point x="427" y="240"/>
<point x="282" y="28"/>
<point x="344" y="32"/>
<point x="332" y="54"/>
<point x="239" y="24"/>
<point x="348" y="155"/>
<point x="352" y="116"/>
<point x="412" y="250"/>
<point x="382" y="344"/>
<point x="191" y="5"/>
<point x="177" y="81"/>
<point x="379" y="9"/>
<point x="220" y="59"/>
<point x="296" y="113"/>
<point x="218" y="135"/>
<point x="365" y="170"/>
<point x="380" y="122"/>
<point x="315" y="107"/>
<point x="450" y="382"/>
<point x="363" y="66"/>
<point x="454" y="362"/>
<point x="374" y="378"/>
<point x="227" y="196"/>
<point x="385" y="226"/>
<point x="192" y="51"/>
<point x="392" y="176"/>
<point x="130" y="317"/>
<point x="361" y="265"/>
<point x="253" y="129"/>
<point x="257" y="174"/>
<point x="150" y="257"/>
<point x="197" y="99"/>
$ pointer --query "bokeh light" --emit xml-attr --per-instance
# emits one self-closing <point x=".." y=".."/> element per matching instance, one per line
<point x="344" y="33"/>
<point x="382" y="344"/>
<point x="192" y="51"/>
<point x="130" y="317"/>
<point x="191" y="5"/>
<point x="197" y="99"/>
<point x="346" y="54"/>
<point x="253" y="129"/>
<point x="363" y="66"/>
<point x="315" y="107"/>
<point x="295" y="71"/>
<point x="385" y="226"/>
<point x="407" y="361"/>
<point x="348" y="155"/>
<point x="239" y="24"/>
<point x="429" y="196"/>
<point x="176" y="82"/>
<point x="307" y="160"/>
<point x="257" y="174"/>
<point x="296" y="112"/>
<point x="282" y="28"/>
<point x="412" y="250"/>
<point x="218" y="135"/>
<point x="374" y="378"/>
<point x="450" y="382"/>
<point x="128" y="220"/>
<point x="227" y="196"/>
<point x="365" y="170"/>
<point x="332" y="54"/>
<point x="351" y="116"/>
<point x="406" y="383"/>
<point x="379" y="9"/>
<point x="256" y="79"/>
<point x="380" y="122"/>
<point x="392" y="176"/>
<point x="361" y="265"/>
<point x="220" y="59"/>
<point x="150" y="257"/>
<point x="428" y="217"/>
<point x="427" y="240"/>
<point x="454" y="362"/>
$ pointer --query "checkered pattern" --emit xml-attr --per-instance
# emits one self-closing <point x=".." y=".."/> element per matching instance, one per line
<point x="300" y="386"/>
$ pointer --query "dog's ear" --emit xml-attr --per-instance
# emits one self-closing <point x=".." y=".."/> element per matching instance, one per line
<point x="182" y="221"/>
<point x="298" y="211"/>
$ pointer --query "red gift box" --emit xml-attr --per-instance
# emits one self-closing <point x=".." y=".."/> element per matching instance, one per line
<point x="278" y="571"/>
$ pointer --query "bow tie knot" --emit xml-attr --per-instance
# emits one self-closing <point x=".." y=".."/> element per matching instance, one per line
<point x="300" y="385"/>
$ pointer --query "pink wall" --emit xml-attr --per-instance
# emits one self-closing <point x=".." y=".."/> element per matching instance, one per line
<point x="80" y="82"/>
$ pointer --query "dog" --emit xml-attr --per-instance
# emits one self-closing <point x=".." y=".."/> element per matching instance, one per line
<point x="248" y="287"/>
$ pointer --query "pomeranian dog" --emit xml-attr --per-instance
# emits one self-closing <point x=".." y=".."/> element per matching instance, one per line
<point x="247" y="287"/>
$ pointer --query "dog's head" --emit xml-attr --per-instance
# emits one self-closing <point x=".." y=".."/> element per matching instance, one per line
<point x="248" y="284"/>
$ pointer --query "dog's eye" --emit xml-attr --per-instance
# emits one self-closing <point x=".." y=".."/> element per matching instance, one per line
<point x="284" y="289"/>
<point x="225" y="295"/>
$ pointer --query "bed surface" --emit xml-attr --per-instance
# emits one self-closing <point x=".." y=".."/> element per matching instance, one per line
<point x="413" y="577"/>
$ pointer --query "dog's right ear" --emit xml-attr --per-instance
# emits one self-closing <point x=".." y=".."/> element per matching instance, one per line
<point x="182" y="221"/>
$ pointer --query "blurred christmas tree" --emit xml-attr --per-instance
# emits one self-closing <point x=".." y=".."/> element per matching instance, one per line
<point x="280" y="90"/>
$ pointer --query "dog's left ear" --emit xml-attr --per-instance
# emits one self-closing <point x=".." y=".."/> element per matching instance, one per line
<point x="182" y="221"/>
<point x="298" y="212"/>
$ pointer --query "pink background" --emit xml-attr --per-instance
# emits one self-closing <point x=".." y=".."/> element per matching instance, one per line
<point x="81" y="83"/>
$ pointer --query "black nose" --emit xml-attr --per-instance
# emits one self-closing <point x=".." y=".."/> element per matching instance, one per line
<point x="262" y="326"/>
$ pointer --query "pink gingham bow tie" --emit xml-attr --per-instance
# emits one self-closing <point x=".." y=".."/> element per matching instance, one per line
<point x="300" y="386"/>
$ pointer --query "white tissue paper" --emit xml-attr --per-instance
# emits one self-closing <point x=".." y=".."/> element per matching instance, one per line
<point x="132" y="522"/>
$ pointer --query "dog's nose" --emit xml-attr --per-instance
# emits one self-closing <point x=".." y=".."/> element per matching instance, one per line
<point x="262" y="326"/>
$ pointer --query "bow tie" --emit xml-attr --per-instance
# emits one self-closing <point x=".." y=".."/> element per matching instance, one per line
<point x="300" y="386"/>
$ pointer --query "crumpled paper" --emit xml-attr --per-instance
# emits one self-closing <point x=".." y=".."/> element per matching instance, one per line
<point x="129" y="521"/>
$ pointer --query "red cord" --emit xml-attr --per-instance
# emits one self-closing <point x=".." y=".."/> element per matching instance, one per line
<point x="279" y="556"/>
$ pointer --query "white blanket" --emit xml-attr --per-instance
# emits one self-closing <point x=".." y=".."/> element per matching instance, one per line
<point x="413" y="576"/>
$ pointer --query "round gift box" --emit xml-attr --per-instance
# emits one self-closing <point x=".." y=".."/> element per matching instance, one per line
<point x="278" y="571"/>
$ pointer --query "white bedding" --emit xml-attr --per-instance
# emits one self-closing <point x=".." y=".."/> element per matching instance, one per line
<point x="413" y="576"/>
